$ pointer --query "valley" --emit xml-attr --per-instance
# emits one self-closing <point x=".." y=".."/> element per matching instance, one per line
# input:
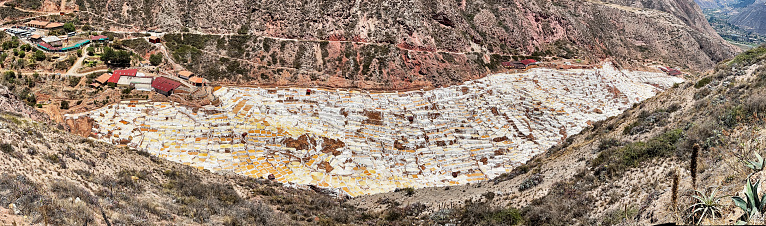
<point x="366" y="143"/>
<point x="311" y="112"/>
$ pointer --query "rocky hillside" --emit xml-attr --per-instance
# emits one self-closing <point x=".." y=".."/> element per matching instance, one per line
<point x="411" y="44"/>
<point x="11" y="104"/>
<point x="641" y="166"/>
<point x="52" y="177"/>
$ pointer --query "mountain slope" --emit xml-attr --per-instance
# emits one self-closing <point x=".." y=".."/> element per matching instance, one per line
<point x="412" y="44"/>
<point x="751" y="18"/>
<point x="622" y="169"/>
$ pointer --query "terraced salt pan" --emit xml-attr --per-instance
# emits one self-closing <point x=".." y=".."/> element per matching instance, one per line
<point x="365" y="143"/>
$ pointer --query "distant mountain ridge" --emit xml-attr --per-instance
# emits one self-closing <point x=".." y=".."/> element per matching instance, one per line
<point x="752" y="18"/>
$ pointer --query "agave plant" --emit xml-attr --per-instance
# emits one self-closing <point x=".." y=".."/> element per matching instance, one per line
<point x="757" y="164"/>
<point x="707" y="205"/>
<point x="752" y="203"/>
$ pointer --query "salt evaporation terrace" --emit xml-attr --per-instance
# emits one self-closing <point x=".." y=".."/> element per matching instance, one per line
<point x="365" y="143"/>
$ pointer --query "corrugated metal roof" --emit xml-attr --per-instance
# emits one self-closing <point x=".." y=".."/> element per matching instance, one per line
<point x="103" y="78"/>
<point x="50" y="39"/>
<point x="165" y="84"/>
<point x="126" y="72"/>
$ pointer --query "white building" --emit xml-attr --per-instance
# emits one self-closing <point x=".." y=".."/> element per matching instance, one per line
<point x="52" y="40"/>
<point x="136" y="82"/>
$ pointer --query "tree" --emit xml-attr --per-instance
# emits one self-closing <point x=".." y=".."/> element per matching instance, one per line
<point x="26" y="47"/>
<point x="91" y="51"/>
<point x="9" y="76"/>
<point x="115" y="57"/>
<point x="123" y="58"/>
<point x="64" y="104"/>
<point x="31" y="100"/>
<point x="79" y="52"/>
<point x="86" y="27"/>
<point x="69" y="27"/>
<point x="155" y="59"/>
<point x="13" y="43"/>
<point x="39" y="55"/>
<point x="22" y="54"/>
<point x="107" y="54"/>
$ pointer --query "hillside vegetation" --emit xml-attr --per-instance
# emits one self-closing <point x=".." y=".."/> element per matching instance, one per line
<point x="645" y="165"/>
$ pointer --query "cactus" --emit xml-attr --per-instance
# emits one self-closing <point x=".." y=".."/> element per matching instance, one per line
<point x="757" y="164"/>
<point x="752" y="203"/>
<point x="707" y="205"/>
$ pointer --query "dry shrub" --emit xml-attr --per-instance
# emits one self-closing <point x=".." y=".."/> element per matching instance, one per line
<point x="565" y="204"/>
<point x="756" y="104"/>
<point x="66" y="189"/>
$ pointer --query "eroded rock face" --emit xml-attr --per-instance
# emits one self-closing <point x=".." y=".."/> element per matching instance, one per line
<point x="81" y="126"/>
<point x="406" y="36"/>
<point x="366" y="143"/>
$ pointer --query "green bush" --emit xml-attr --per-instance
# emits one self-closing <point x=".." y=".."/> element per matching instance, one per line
<point x="26" y="4"/>
<point x="409" y="191"/>
<point x="155" y="59"/>
<point x="25" y="47"/>
<point x="749" y="57"/>
<point x="69" y="27"/>
<point x="703" y="82"/>
<point x="612" y="162"/>
<point x="116" y="57"/>
<point x="13" y="43"/>
<point x="39" y="55"/>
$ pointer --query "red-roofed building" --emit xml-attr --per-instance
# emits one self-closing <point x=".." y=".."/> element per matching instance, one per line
<point x="674" y="72"/>
<point x="154" y="39"/>
<point x="98" y="38"/>
<point x="165" y="86"/>
<point x="514" y="65"/>
<point x="113" y="79"/>
<point x="528" y="62"/>
<point x="127" y="72"/>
